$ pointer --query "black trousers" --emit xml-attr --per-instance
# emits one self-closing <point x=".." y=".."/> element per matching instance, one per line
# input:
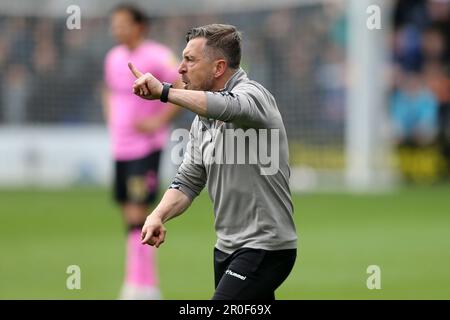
<point x="251" y="274"/>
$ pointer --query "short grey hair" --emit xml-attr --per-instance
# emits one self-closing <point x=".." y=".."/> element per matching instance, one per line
<point x="221" y="37"/>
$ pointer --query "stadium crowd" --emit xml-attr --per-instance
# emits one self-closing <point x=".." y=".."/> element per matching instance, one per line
<point x="54" y="75"/>
<point x="288" y="50"/>
<point x="420" y="97"/>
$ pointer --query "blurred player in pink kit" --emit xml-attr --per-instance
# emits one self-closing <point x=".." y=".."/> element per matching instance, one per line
<point x="139" y="131"/>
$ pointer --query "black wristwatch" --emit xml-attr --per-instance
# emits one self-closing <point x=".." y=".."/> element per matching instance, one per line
<point x="165" y="92"/>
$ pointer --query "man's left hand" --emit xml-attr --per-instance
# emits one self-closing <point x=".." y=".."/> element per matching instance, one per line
<point x="146" y="86"/>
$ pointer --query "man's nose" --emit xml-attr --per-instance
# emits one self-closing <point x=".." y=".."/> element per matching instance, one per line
<point x="182" y="68"/>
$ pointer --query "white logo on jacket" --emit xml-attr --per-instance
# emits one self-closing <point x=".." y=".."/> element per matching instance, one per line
<point x="236" y="275"/>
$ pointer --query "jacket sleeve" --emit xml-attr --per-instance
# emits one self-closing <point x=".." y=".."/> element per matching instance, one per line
<point x="248" y="105"/>
<point x="191" y="176"/>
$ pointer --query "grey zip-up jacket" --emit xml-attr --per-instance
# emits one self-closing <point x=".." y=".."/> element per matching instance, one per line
<point x="250" y="186"/>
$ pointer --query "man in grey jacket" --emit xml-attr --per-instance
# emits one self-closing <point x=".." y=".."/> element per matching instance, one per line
<point x="237" y="124"/>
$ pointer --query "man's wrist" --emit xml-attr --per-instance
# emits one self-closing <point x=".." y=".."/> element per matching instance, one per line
<point x="164" y="96"/>
<point x="157" y="214"/>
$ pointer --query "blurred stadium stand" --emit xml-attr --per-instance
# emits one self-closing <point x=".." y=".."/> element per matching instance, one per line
<point x="50" y="108"/>
<point x="420" y="43"/>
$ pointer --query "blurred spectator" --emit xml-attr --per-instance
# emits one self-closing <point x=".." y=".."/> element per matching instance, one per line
<point x="15" y="94"/>
<point x="277" y="36"/>
<point x="439" y="13"/>
<point x="20" y="38"/>
<point x="331" y="70"/>
<point x="433" y="45"/>
<point x="332" y="77"/>
<point x="414" y="112"/>
<point x="3" y="63"/>
<point x="410" y="12"/>
<point x="78" y="75"/>
<point x="421" y="28"/>
<point x="407" y="48"/>
<point x="45" y="98"/>
<point x="4" y="51"/>
<point x="338" y="24"/>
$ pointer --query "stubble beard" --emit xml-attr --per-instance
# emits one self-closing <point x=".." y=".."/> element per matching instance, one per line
<point x="205" y="85"/>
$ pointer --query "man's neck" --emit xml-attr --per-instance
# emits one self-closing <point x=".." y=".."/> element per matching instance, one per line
<point x="224" y="79"/>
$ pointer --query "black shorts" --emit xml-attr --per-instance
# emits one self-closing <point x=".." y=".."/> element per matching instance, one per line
<point x="249" y="274"/>
<point x="136" y="181"/>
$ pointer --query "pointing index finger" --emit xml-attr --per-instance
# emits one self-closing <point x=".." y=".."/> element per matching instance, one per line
<point x="135" y="71"/>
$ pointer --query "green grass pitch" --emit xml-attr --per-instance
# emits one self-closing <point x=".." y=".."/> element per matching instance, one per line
<point x="406" y="233"/>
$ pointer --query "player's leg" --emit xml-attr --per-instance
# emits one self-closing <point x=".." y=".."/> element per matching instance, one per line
<point x="141" y="280"/>
<point x="141" y="189"/>
<point x="255" y="274"/>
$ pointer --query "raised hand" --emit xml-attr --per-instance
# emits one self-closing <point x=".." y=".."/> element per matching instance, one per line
<point x="146" y="86"/>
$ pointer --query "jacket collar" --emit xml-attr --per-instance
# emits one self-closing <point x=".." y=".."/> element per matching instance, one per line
<point x="236" y="78"/>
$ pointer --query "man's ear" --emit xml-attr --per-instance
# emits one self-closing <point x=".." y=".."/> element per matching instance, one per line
<point x="221" y="67"/>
